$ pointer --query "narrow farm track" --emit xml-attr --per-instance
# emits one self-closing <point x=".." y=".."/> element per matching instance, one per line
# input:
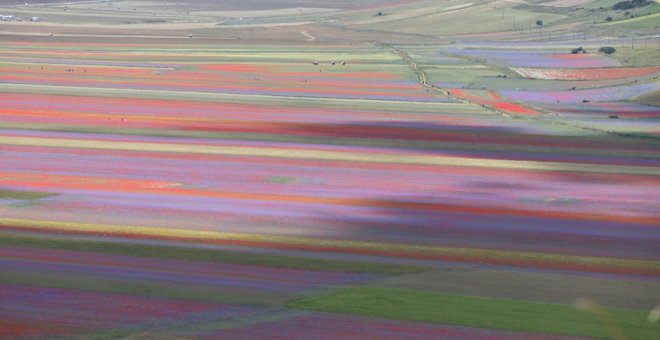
<point x="419" y="72"/>
<point x="308" y="36"/>
<point x="424" y="80"/>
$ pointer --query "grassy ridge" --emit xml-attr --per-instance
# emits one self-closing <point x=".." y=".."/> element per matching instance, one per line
<point x="477" y="312"/>
<point x="206" y="255"/>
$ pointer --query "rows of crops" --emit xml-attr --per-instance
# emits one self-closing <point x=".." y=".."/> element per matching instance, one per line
<point x="222" y="191"/>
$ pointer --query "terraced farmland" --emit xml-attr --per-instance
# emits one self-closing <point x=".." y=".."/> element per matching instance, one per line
<point x="300" y="183"/>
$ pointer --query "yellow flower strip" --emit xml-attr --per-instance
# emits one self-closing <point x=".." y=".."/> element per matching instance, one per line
<point x="291" y="242"/>
<point x="431" y="160"/>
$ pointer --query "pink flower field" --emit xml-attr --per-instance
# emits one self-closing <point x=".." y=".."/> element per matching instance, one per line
<point x="542" y="59"/>
<point x="588" y="74"/>
<point x="606" y="94"/>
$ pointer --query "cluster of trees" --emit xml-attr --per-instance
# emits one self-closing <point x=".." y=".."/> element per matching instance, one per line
<point x="630" y="4"/>
<point x="604" y="49"/>
<point x="578" y="50"/>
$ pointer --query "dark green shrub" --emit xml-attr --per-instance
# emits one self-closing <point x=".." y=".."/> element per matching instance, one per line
<point x="607" y="49"/>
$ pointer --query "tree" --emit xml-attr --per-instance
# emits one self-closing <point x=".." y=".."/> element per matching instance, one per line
<point x="539" y="23"/>
<point x="607" y="49"/>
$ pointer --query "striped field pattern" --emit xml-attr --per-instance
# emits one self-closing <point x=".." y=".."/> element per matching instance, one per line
<point x="203" y="189"/>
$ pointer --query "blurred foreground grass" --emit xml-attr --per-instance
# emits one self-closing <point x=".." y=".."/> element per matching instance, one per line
<point x="521" y="316"/>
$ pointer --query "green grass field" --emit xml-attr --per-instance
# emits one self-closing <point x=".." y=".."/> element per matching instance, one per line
<point x="478" y="312"/>
<point x="23" y="195"/>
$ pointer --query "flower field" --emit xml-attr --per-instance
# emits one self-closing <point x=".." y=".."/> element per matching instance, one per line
<point x="262" y="173"/>
<point x="588" y="74"/>
<point x="538" y="59"/>
<point x="352" y="327"/>
<point x="293" y="76"/>
<point x="614" y="93"/>
<point x="48" y="312"/>
<point x="586" y="90"/>
<point x="491" y="100"/>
